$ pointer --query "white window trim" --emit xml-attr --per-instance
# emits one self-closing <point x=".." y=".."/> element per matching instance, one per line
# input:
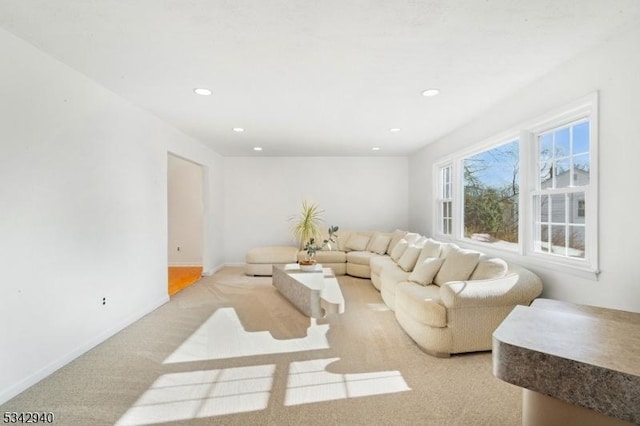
<point x="525" y="133"/>
<point x="437" y="200"/>
<point x="440" y="199"/>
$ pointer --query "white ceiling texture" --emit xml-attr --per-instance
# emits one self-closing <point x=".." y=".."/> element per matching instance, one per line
<point x="309" y="77"/>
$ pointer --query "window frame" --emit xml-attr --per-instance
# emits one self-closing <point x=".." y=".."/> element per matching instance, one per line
<point x="585" y="108"/>
<point x="441" y="191"/>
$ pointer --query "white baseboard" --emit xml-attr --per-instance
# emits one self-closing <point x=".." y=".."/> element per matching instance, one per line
<point x="190" y="264"/>
<point x="213" y="270"/>
<point x="7" y="394"/>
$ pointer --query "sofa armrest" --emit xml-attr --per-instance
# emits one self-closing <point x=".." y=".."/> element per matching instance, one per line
<point x="519" y="287"/>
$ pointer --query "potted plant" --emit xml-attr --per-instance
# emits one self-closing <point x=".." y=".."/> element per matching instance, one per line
<point x="311" y="247"/>
<point x="306" y="224"/>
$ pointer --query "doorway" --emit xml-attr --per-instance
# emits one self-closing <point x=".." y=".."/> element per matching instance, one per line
<point x="185" y="222"/>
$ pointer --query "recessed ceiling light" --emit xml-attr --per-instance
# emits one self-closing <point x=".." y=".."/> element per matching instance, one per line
<point x="202" y="91"/>
<point x="394" y="130"/>
<point x="238" y="129"/>
<point x="430" y="92"/>
<point x="375" y="148"/>
<point x="257" y="148"/>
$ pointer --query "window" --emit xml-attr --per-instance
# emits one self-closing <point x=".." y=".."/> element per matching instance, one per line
<point x="491" y="188"/>
<point x="580" y="212"/>
<point x="532" y="191"/>
<point x="445" y="200"/>
<point x="561" y="184"/>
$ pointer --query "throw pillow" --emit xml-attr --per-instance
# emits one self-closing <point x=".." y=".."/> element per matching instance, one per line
<point x="424" y="272"/>
<point x="396" y="236"/>
<point x="457" y="266"/>
<point x="431" y="248"/>
<point x="408" y="259"/>
<point x="357" y="242"/>
<point x="411" y="237"/>
<point x="399" y="249"/>
<point x="380" y="243"/>
<point x="489" y="268"/>
<point x="446" y="248"/>
<point x="420" y="242"/>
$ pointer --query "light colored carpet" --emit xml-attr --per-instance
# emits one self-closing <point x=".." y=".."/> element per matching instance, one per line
<point x="230" y="350"/>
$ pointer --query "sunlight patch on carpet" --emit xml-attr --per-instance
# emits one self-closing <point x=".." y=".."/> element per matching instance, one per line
<point x="378" y="307"/>
<point x="309" y="382"/>
<point x="222" y="336"/>
<point x="198" y="394"/>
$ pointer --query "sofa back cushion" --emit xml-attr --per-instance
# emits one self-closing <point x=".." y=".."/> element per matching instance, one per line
<point x="424" y="272"/>
<point x="396" y="236"/>
<point x="379" y="243"/>
<point x="431" y="248"/>
<point x="408" y="259"/>
<point x="357" y="242"/>
<point x="489" y="268"/>
<point x="446" y="248"/>
<point x="341" y="237"/>
<point x="458" y="265"/>
<point x="412" y="237"/>
<point x="399" y="249"/>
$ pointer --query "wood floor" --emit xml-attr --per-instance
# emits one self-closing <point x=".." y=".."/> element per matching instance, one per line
<point x="182" y="276"/>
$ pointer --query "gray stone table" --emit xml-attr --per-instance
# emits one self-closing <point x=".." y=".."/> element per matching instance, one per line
<point x="314" y="293"/>
<point x="577" y="364"/>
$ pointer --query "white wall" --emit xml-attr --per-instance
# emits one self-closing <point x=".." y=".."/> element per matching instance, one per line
<point x="83" y="187"/>
<point x="261" y="193"/>
<point x="185" y="212"/>
<point x="612" y="69"/>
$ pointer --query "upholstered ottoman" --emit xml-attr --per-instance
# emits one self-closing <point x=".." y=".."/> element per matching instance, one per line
<point x="260" y="259"/>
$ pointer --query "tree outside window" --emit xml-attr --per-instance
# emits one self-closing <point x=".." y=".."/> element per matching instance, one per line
<point x="491" y="194"/>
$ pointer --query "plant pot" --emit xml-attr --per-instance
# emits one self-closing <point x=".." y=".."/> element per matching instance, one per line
<point x="308" y="265"/>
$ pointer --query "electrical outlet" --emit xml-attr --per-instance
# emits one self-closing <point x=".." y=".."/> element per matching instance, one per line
<point x="104" y="301"/>
<point x="178" y="248"/>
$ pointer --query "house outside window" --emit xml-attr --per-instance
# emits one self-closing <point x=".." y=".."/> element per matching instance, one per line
<point x="559" y="200"/>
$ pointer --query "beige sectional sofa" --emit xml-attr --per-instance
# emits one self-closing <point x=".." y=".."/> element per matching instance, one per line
<point x="449" y="300"/>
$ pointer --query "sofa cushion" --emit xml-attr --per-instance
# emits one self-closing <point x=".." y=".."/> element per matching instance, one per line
<point x="357" y="242"/>
<point x="279" y="254"/>
<point x="431" y="248"/>
<point x="326" y="256"/>
<point x="411" y="237"/>
<point x="360" y="257"/>
<point x="396" y="236"/>
<point x="424" y="272"/>
<point x="422" y="303"/>
<point x="408" y="259"/>
<point x="399" y="249"/>
<point x="379" y="243"/>
<point x="457" y="266"/>
<point x="378" y="262"/>
<point x="390" y="276"/>
<point x="341" y="240"/>
<point x="445" y="248"/>
<point x="489" y="268"/>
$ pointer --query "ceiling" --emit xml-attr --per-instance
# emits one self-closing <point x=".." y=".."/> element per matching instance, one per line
<point x="307" y="77"/>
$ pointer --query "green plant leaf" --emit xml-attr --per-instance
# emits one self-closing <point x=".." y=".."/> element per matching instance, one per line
<point x="306" y="225"/>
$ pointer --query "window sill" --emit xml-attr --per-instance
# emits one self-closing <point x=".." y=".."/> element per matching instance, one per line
<point x="533" y="261"/>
